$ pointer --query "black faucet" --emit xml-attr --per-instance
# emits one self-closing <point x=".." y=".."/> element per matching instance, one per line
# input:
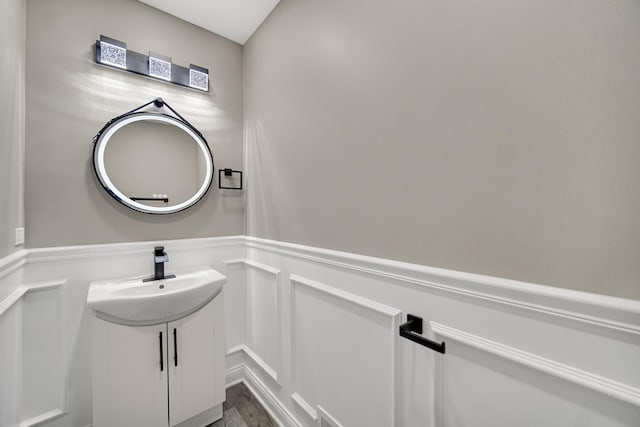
<point x="159" y="258"/>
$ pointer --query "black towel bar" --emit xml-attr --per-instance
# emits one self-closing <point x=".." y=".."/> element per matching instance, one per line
<point x="412" y="328"/>
<point x="150" y="199"/>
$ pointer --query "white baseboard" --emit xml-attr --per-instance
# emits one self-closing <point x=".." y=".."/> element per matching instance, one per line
<point x="275" y="408"/>
<point x="43" y="418"/>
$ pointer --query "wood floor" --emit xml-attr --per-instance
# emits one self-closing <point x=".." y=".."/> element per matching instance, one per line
<point x="242" y="409"/>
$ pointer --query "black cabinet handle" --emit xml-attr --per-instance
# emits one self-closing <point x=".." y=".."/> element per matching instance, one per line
<point x="161" y="356"/>
<point x="175" y="347"/>
<point x="414" y="324"/>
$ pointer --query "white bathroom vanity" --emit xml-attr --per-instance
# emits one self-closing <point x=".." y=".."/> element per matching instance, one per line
<point x="158" y="351"/>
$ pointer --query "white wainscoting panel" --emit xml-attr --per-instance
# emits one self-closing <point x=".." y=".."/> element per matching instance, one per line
<point x="612" y="389"/>
<point x="10" y="366"/>
<point x="11" y="293"/>
<point x="263" y="317"/>
<point x="498" y="378"/>
<point x="43" y="377"/>
<point x="518" y="354"/>
<point x="482" y="388"/>
<point x="235" y="296"/>
<point x="344" y="354"/>
<point x="53" y="388"/>
<point x="33" y="388"/>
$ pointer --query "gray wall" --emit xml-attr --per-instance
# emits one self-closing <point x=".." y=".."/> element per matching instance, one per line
<point x="496" y="137"/>
<point x="69" y="98"/>
<point x="12" y="76"/>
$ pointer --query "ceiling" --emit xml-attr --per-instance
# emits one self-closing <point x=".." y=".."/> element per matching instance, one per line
<point x="234" y="19"/>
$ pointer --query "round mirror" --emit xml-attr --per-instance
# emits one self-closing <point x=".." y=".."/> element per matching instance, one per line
<point x="152" y="162"/>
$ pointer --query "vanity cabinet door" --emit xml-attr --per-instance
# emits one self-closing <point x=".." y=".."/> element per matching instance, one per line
<point x="196" y="367"/>
<point x="130" y="385"/>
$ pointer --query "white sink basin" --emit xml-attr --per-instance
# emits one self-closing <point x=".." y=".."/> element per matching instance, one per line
<point x="138" y="303"/>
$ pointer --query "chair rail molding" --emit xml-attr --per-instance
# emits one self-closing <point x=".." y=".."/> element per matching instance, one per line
<point x="597" y="310"/>
<point x="107" y="250"/>
<point x="12" y="262"/>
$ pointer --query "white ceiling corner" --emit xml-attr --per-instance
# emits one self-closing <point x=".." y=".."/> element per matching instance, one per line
<point x="236" y="20"/>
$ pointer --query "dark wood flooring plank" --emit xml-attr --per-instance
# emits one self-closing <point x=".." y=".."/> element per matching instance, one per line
<point x="241" y="405"/>
<point x="248" y="406"/>
<point x="231" y="418"/>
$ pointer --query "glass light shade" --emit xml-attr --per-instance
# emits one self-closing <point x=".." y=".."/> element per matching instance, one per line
<point x="160" y="67"/>
<point x="198" y="79"/>
<point x="113" y="55"/>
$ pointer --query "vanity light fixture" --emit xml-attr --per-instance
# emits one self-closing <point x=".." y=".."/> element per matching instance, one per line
<point x="114" y="53"/>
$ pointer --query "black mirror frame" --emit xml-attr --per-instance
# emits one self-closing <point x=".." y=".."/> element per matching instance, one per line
<point x="103" y="136"/>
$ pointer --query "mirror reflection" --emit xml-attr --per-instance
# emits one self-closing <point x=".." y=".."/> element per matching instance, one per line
<point x="148" y="158"/>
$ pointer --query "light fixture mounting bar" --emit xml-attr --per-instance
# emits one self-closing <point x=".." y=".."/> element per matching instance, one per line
<point x="114" y="53"/>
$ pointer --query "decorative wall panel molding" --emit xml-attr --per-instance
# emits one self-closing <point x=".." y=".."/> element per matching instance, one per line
<point x="43" y="376"/>
<point x="235" y="295"/>
<point x="22" y="290"/>
<point x="263" y="318"/>
<point x="597" y="383"/>
<point x="233" y="262"/>
<point x="325" y="419"/>
<point x="350" y="340"/>
<point x="263" y="267"/>
<point x="43" y="418"/>
<point x="304" y="405"/>
<point x="380" y="308"/>
<point x="11" y="366"/>
<point x="15" y="296"/>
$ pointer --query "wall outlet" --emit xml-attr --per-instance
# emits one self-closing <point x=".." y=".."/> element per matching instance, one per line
<point x="19" y="236"/>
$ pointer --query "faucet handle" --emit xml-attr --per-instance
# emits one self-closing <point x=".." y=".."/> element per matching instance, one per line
<point x="159" y="255"/>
